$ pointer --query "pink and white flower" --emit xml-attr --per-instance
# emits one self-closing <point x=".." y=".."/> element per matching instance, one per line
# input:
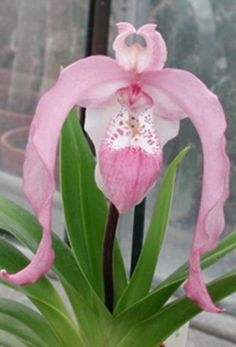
<point x="134" y="107"/>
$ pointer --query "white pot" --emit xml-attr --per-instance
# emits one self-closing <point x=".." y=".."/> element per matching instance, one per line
<point x="179" y="338"/>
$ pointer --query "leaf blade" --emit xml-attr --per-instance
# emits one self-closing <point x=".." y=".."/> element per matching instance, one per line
<point x="8" y="340"/>
<point x="27" y="230"/>
<point x="84" y="205"/>
<point x="41" y="295"/>
<point x="153" y="302"/>
<point x="26" y="323"/>
<point x="157" y="328"/>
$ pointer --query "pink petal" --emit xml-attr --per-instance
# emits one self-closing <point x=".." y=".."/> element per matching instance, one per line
<point x="207" y="115"/>
<point x="128" y="175"/>
<point x="156" y="53"/>
<point x="42" y="260"/>
<point x="121" y="48"/>
<point x="101" y="77"/>
<point x="130" y="157"/>
<point x="80" y="83"/>
<point x="136" y="57"/>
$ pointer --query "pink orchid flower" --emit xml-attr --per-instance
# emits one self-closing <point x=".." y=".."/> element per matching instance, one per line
<point x="133" y="108"/>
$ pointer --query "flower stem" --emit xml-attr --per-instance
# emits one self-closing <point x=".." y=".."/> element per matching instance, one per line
<point x="138" y="231"/>
<point x="108" y="256"/>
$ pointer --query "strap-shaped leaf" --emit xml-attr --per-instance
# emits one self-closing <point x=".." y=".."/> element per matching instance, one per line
<point x="85" y="207"/>
<point x="153" y="302"/>
<point x="153" y="331"/>
<point x="21" y="330"/>
<point x="26" y="323"/>
<point x="143" y="274"/>
<point x="24" y="226"/>
<point x="9" y="340"/>
<point x="62" y="325"/>
<point x="95" y="327"/>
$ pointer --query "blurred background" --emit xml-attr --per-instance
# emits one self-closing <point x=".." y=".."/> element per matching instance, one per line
<point x="38" y="37"/>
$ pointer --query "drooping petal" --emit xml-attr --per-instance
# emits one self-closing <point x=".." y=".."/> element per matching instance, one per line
<point x="80" y="83"/>
<point x="130" y="158"/>
<point x="40" y="264"/>
<point x="150" y="57"/>
<point x="207" y="115"/>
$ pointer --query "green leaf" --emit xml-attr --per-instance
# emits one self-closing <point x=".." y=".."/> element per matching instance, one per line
<point x="143" y="274"/>
<point x="27" y="230"/>
<point x="95" y="326"/>
<point x="21" y="330"/>
<point x="156" y="329"/>
<point x="62" y="326"/>
<point x="84" y="205"/>
<point x="85" y="302"/>
<point x="153" y="302"/>
<point x="24" y="226"/>
<point x="10" y="340"/>
<point x="26" y="323"/>
<point x="42" y="294"/>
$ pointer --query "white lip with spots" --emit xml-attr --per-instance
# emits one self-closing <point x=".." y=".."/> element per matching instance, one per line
<point x="133" y="129"/>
